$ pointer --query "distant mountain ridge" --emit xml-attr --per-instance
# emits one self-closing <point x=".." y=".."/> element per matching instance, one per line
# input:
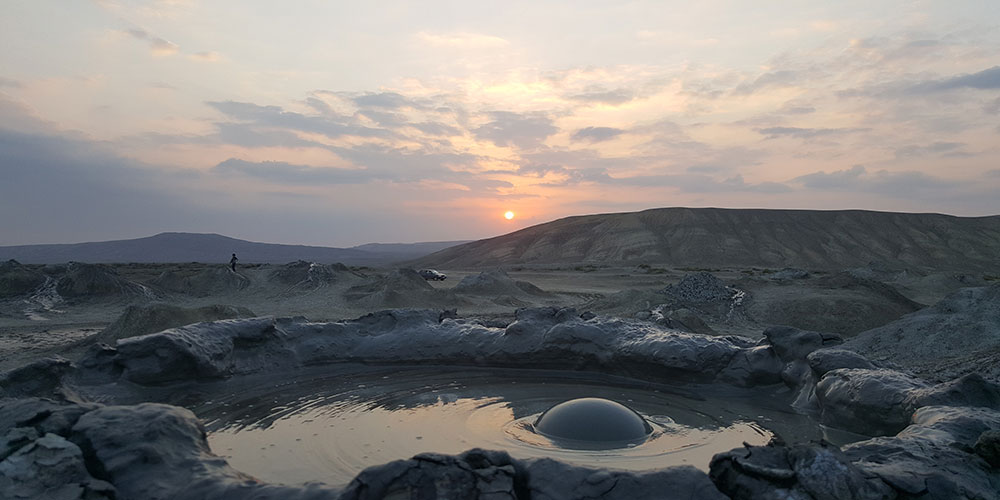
<point x="716" y="237"/>
<point x="213" y="248"/>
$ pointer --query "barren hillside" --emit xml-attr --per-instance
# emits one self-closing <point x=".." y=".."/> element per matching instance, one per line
<point x="713" y="237"/>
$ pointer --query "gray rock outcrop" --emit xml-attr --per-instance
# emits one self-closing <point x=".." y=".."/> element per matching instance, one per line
<point x="933" y="457"/>
<point x="777" y="472"/>
<point x="958" y="335"/>
<point x="541" y="336"/>
<point x="879" y="402"/>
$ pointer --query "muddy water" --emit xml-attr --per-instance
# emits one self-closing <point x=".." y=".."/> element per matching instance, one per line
<point x="328" y="427"/>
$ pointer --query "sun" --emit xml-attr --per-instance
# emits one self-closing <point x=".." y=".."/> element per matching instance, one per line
<point x="508" y="215"/>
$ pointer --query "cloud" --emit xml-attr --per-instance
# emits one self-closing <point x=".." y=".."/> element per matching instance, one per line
<point x="796" y="108"/>
<point x="287" y="173"/>
<point x="697" y="183"/>
<point x="522" y="130"/>
<point x="597" y="134"/>
<point x="840" y="179"/>
<point x="601" y="95"/>
<point x="276" y="117"/>
<point x="987" y="79"/>
<point x="80" y="191"/>
<point x="209" y="57"/>
<point x="9" y="83"/>
<point x="157" y="46"/>
<point x="245" y="135"/>
<point x="902" y="184"/>
<point x="992" y="107"/>
<point x="772" y="79"/>
<point x="374" y="165"/>
<point x="806" y="133"/>
<point x="935" y="148"/>
<point x="386" y="100"/>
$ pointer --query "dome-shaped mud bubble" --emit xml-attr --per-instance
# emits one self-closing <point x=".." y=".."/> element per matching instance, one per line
<point x="593" y="423"/>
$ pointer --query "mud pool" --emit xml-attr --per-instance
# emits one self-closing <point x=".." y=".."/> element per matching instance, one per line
<point x="329" y="426"/>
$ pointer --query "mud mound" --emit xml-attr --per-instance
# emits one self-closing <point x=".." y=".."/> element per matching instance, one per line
<point x="883" y="271"/>
<point x="399" y="288"/>
<point x="703" y="293"/>
<point x="496" y="283"/>
<point x="201" y="282"/>
<point x="843" y="303"/>
<point x="958" y="335"/>
<point x="92" y="281"/>
<point x="157" y="316"/>
<point x="304" y="272"/>
<point x="700" y="288"/>
<point x="16" y="279"/>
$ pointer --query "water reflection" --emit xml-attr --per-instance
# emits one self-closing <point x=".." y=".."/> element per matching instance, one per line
<point x="329" y="427"/>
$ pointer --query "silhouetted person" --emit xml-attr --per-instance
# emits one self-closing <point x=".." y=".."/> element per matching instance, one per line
<point x="232" y="263"/>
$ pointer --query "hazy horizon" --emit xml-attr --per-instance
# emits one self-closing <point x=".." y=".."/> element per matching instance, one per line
<point x="338" y="124"/>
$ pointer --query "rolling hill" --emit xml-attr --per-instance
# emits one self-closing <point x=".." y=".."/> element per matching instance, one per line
<point x="212" y="248"/>
<point x="714" y="237"/>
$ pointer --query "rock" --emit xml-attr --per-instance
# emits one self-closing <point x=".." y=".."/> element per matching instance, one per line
<point x="988" y="447"/>
<point x="15" y="439"/>
<point x="879" y="402"/>
<point x="539" y="336"/>
<point x="753" y="366"/>
<point x="968" y="390"/>
<point x="159" y="452"/>
<point x="43" y="415"/>
<point x="958" y="427"/>
<point x="823" y="360"/>
<point x="52" y="468"/>
<point x="925" y="469"/>
<point x="40" y="378"/>
<point x="866" y="401"/>
<point x="796" y="373"/>
<point x="791" y="343"/>
<point x="552" y="480"/>
<point x="473" y="474"/>
<point x="190" y="352"/>
<point x="818" y="472"/>
<point x="682" y="319"/>
<point x="536" y="320"/>
<point x="700" y="287"/>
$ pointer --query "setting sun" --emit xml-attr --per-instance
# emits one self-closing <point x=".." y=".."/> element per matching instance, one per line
<point x="508" y="215"/>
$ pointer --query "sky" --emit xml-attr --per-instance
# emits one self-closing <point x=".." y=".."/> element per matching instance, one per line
<point x="342" y="123"/>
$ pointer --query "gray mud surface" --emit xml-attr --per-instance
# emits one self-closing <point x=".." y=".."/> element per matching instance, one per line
<point x="49" y="309"/>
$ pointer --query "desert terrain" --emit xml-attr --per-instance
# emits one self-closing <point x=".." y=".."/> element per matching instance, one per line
<point x="878" y="378"/>
<point x="59" y="308"/>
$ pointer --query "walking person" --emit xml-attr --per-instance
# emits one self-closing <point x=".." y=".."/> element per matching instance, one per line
<point x="232" y="263"/>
